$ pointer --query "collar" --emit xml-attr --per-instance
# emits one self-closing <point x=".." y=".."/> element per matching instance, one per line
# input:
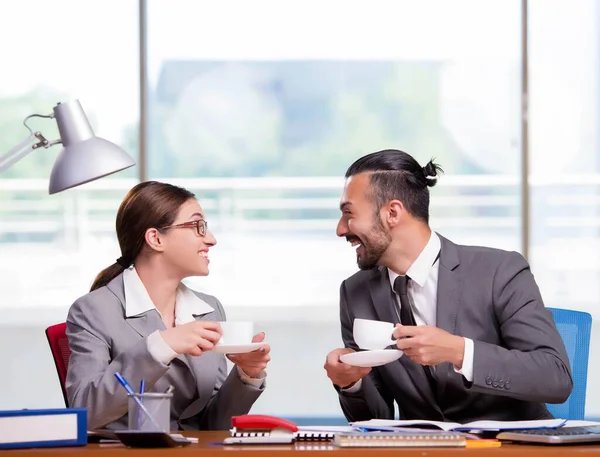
<point x="137" y="300"/>
<point x="421" y="267"/>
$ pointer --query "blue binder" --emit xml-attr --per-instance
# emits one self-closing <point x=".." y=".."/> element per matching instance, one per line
<point x="24" y="428"/>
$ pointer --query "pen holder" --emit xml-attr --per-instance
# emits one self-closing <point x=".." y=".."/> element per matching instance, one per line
<point x="150" y="412"/>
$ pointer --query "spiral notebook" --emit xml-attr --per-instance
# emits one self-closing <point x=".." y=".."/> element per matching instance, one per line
<point x="314" y="436"/>
<point x="402" y="439"/>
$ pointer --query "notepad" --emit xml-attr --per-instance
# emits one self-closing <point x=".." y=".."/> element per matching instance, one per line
<point x="393" y="425"/>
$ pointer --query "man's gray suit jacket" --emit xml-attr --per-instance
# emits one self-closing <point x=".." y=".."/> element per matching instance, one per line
<point x="103" y="341"/>
<point x="488" y="295"/>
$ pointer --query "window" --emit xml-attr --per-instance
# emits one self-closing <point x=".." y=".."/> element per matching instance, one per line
<point x="565" y="160"/>
<point x="261" y="118"/>
<point x="52" y="246"/>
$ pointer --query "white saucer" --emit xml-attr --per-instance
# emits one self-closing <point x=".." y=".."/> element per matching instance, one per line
<point x="371" y="358"/>
<point x="237" y="348"/>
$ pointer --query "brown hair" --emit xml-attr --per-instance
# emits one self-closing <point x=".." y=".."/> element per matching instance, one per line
<point x="150" y="204"/>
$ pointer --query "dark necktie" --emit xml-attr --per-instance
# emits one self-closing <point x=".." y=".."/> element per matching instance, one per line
<point x="401" y="288"/>
<point x="407" y="317"/>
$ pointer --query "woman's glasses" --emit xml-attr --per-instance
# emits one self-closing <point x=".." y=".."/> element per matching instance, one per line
<point x="200" y="226"/>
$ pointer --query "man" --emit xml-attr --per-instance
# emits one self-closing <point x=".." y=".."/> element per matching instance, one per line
<point x="483" y="347"/>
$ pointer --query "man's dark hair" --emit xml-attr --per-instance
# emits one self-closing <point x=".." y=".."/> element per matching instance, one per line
<point x="396" y="175"/>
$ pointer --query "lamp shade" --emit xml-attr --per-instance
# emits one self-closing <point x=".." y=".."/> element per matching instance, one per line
<point x="84" y="156"/>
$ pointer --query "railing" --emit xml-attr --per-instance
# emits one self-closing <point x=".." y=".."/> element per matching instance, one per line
<point x="233" y="201"/>
<point x="61" y="236"/>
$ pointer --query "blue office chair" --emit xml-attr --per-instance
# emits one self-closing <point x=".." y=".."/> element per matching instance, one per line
<point x="574" y="328"/>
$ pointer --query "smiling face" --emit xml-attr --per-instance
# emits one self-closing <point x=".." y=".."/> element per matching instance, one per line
<point x="361" y="223"/>
<point x="183" y="248"/>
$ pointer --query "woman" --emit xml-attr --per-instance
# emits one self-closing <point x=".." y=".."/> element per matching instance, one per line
<point x="141" y="321"/>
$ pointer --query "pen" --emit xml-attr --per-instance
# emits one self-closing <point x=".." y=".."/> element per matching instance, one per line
<point x="138" y="419"/>
<point x="131" y="392"/>
<point x="124" y="383"/>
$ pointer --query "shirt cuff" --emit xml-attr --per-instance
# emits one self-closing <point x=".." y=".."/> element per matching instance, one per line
<point x="467" y="366"/>
<point x="256" y="382"/>
<point x="159" y="349"/>
<point x="355" y="388"/>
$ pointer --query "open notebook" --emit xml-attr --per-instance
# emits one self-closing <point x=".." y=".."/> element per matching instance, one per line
<point x="394" y="425"/>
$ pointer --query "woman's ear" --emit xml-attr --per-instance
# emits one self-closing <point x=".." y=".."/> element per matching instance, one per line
<point x="154" y="240"/>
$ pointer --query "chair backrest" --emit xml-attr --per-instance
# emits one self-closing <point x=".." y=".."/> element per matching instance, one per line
<point x="575" y="328"/>
<point x="59" y="346"/>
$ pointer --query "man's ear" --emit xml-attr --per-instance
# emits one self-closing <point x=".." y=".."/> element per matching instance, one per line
<point x="394" y="212"/>
<point x="154" y="240"/>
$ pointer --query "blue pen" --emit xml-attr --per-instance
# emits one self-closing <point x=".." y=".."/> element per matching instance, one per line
<point x="124" y="383"/>
<point x="139" y="414"/>
<point x="131" y="392"/>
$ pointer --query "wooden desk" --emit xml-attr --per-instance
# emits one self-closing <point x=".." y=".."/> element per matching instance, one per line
<point x="208" y="445"/>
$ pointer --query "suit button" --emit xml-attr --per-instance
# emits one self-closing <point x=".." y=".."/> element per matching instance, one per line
<point x="494" y="384"/>
<point x="501" y="384"/>
<point x="507" y="385"/>
<point x="488" y="381"/>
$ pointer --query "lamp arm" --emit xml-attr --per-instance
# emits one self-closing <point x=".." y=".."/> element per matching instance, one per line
<point x="21" y="150"/>
<point x="45" y="116"/>
<point x="24" y="147"/>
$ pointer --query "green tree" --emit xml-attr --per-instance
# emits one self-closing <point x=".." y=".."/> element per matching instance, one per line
<point x="221" y="124"/>
<point x="398" y="111"/>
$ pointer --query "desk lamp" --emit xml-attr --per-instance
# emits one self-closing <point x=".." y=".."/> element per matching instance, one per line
<point x="84" y="156"/>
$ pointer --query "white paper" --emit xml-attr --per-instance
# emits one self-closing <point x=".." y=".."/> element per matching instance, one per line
<point x="189" y="438"/>
<point x="380" y="424"/>
<point x="575" y="423"/>
<point x="512" y="425"/>
<point x="391" y="425"/>
<point x="326" y="428"/>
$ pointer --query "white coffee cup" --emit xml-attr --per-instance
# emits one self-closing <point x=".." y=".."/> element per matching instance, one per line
<point x="236" y="332"/>
<point x="373" y="335"/>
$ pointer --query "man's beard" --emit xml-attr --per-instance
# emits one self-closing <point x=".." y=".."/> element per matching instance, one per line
<point x="374" y="244"/>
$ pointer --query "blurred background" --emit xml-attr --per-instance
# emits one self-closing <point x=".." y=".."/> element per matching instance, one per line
<point x="259" y="107"/>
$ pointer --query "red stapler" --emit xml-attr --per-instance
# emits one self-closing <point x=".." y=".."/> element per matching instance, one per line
<point x="261" y="429"/>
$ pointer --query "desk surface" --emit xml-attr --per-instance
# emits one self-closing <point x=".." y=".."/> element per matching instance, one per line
<point x="209" y="445"/>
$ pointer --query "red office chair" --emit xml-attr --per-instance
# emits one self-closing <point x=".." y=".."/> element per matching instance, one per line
<point x="59" y="345"/>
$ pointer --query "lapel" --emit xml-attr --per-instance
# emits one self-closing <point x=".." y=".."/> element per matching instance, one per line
<point x="448" y="300"/>
<point x="381" y="295"/>
<point x="205" y="370"/>
<point x="199" y="365"/>
<point x="194" y="363"/>
<point x="144" y="324"/>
